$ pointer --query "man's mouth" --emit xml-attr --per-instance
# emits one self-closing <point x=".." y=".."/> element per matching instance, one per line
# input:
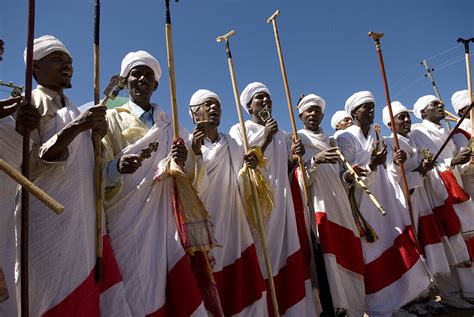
<point x="66" y="73"/>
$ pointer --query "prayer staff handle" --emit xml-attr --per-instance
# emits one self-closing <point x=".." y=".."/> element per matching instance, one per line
<point x="466" y="43"/>
<point x="251" y="175"/>
<point x="273" y="16"/>
<point x="361" y="183"/>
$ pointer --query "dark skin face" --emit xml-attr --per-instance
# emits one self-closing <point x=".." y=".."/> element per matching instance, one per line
<point x="54" y="71"/>
<point x="434" y="112"/>
<point x="312" y="118"/>
<point x="402" y="123"/>
<point x="209" y="110"/>
<point x="344" y="123"/>
<point x="364" y="115"/>
<point x="141" y="84"/>
<point x="259" y="101"/>
<point x="461" y="112"/>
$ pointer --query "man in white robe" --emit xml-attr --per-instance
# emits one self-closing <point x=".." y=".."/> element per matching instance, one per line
<point x="394" y="271"/>
<point x="340" y="120"/>
<point x="11" y="143"/>
<point x="62" y="248"/>
<point x="461" y="101"/>
<point x="335" y="229"/>
<point x="457" y="212"/>
<point x="218" y="162"/>
<point x="290" y="272"/>
<point x="139" y="204"/>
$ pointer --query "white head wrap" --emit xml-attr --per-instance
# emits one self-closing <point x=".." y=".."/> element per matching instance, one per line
<point x="45" y="45"/>
<point x="309" y="101"/>
<point x="338" y="117"/>
<point x="250" y="91"/>
<point x="397" y="108"/>
<point x="460" y="99"/>
<point x="199" y="97"/>
<point x="358" y="99"/>
<point x="137" y="58"/>
<point x="422" y="103"/>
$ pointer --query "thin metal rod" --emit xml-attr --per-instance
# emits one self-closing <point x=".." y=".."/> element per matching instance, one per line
<point x="170" y="54"/>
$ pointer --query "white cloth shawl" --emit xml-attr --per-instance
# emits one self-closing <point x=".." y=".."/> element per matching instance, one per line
<point x="11" y="142"/>
<point x="142" y="227"/>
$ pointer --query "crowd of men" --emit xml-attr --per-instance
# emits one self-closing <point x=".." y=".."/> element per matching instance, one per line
<point x="181" y="234"/>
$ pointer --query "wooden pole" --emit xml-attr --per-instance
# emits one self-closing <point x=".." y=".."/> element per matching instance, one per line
<point x="260" y="225"/>
<point x="376" y="37"/>
<point x="170" y="54"/>
<point x="26" y="166"/>
<point x="97" y="150"/>
<point x="272" y="19"/>
<point x="469" y="78"/>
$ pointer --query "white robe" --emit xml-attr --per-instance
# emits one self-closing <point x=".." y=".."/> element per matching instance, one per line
<point x="429" y="236"/>
<point x="237" y="271"/>
<point x="142" y="227"/>
<point x="290" y="273"/>
<point x="11" y="144"/>
<point x="335" y="227"/>
<point x="62" y="251"/>
<point x="394" y="272"/>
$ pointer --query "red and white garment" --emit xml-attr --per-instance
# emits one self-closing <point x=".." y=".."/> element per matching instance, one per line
<point x="335" y="227"/>
<point x="457" y="213"/>
<point x="62" y="248"/>
<point x="10" y="142"/>
<point x="156" y="271"/>
<point x="429" y="237"/>
<point x="236" y="271"/>
<point x="461" y="139"/>
<point x="290" y="273"/>
<point x="394" y="273"/>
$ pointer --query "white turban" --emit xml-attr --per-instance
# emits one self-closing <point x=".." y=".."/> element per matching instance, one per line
<point x="250" y="91"/>
<point x="338" y="117"/>
<point x="358" y="99"/>
<point x="199" y="97"/>
<point x="45" y="45"/>
<point x="137" y="58"/>
<point x="397" y="108"/>
<point x="309" y="101"/>
<point x="422" y="103"/>
<point x="460" y="99"/>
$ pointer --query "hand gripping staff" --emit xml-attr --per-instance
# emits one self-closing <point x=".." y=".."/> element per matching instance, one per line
<point x="376" y="37"/>
<point x="469" y="78"/>
<point x="261" y="229"/>
<point x="272" y="19"/>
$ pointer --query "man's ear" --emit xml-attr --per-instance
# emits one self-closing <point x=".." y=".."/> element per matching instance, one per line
<point x="35" y="69"/>
<point x="322" y="117"/>
<point x="155" y="86"/>
<point x="423" y="114"/>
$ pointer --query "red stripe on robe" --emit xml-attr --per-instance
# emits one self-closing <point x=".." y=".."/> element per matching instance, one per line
<point x="85" y="299"/>
<point x="428" y="232"/>
<point x="182" y="293"/>
<point x="340" y="241"/>
<point x="300" y="217"/>
<point x="463" y="132"/>
<point x="241" y="283"/>
<point x="391" y="264"/>
<point x="289" y="283"/>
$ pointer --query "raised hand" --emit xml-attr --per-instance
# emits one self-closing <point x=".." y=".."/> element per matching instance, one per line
<point x="328" y="156"/>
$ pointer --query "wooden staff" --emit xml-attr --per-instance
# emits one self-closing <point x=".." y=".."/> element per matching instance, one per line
<point x="453" y="131"/>
<point x="25" y="168"/>
<point x="429" y="75"/>
<point x="272" y="19"/>
<point x="376" y="37"/>
<point x="361" y="183"/>
<point x="469" y="78"/>
<point x="97" y="151"/>
<point x="261" y="228"/>
<point x="42" y="196"/>
<point x="169" y="51"/>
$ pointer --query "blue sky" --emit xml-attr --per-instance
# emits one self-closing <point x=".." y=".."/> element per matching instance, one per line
<point x="325" y="47"/>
